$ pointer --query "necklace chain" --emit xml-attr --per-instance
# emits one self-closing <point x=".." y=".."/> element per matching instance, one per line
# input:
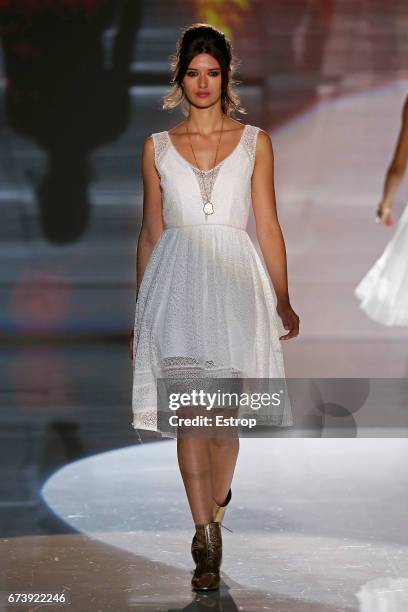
<point x="208" y="206"/>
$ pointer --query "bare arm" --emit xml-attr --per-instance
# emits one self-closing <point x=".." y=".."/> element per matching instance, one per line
<point x="396" y="169"/>
<point x="152" y="223"/>
<point x="269" y="232"/>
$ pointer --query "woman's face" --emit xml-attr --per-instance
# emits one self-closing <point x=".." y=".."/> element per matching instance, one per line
<point x="202" y="81"/>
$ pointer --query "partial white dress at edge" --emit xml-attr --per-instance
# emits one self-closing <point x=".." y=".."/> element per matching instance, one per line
<point x="205" y="303"/>
<point x="383" y="291"/>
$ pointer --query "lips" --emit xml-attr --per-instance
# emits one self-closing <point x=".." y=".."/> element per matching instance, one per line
<point x="202" y="94"/>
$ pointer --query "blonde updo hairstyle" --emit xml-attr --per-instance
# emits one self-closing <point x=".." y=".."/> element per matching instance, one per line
<point x="203" y="38"/>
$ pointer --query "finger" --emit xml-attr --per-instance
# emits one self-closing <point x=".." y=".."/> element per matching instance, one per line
<point x="286" y="336"/>
<point x="291" y="334"/>
<point x="294" y="327"/>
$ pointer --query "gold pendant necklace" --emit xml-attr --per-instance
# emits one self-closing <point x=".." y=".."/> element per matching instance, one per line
<point x="208" y="207"/>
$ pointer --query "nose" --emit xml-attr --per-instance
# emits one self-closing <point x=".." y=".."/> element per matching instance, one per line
<point x="202" y="81"/>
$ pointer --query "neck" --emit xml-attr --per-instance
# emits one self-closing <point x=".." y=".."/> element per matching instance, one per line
<point x="204" y="120"/>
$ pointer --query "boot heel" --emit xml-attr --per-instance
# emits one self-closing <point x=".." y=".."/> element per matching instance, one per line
<point x="209" y="557"/>
<point x="218" y="515"/>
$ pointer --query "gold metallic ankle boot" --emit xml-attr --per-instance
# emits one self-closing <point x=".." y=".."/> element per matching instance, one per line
<point x="209" y="556"/>
<point x="218" y="516"/>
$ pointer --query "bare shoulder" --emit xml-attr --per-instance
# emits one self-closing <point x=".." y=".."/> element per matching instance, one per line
<point x="264" y="138"/>
<point x="148" y="141"/>
<point x="148" y="156"/>
<point x="148" y="147"/>
<point x="264" y="144"/>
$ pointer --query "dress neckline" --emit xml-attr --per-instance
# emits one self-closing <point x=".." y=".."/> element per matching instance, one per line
<point x="219" y="163"/>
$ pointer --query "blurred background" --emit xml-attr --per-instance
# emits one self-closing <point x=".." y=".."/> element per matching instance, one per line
<point x="81" y="83"/>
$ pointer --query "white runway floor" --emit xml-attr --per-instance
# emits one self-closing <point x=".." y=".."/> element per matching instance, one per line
<point x="319" y="523"/>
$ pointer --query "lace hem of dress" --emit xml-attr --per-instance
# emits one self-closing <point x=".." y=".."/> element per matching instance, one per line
<point x="179" y="373"/>
<point x="190" y="367"/>
<point x="182" y="374"/>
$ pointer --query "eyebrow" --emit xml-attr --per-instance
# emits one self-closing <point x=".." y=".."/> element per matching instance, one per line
<point x="207" y="69"/>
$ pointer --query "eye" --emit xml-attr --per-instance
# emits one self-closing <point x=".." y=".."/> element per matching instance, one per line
<point x="192" y="73"/>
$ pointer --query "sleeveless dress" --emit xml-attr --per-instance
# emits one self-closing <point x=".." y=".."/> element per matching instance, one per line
<point x="383" y="291"/>
<point x="205" y="306"/>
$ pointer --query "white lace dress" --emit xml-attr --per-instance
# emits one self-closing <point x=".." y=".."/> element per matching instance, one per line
<point x="205" y="305"/>
<point x="383" y="291"/>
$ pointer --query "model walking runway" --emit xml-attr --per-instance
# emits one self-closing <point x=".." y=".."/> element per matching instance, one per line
<point x="205" y="309"/>
<point x="384" y="289"/>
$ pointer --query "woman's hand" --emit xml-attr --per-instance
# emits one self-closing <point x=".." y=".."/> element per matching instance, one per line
<point x="383" y="214"/>
<point x="130" y="344"/>
<point x="289" y="318"/>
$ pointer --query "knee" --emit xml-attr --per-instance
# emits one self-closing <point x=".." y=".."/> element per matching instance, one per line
<point x="224" y="442"/>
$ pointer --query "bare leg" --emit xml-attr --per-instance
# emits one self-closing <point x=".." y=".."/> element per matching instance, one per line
<point x="195" y="467"/>
<point x="207" y="466"/>
<point x="224" y="453"/>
